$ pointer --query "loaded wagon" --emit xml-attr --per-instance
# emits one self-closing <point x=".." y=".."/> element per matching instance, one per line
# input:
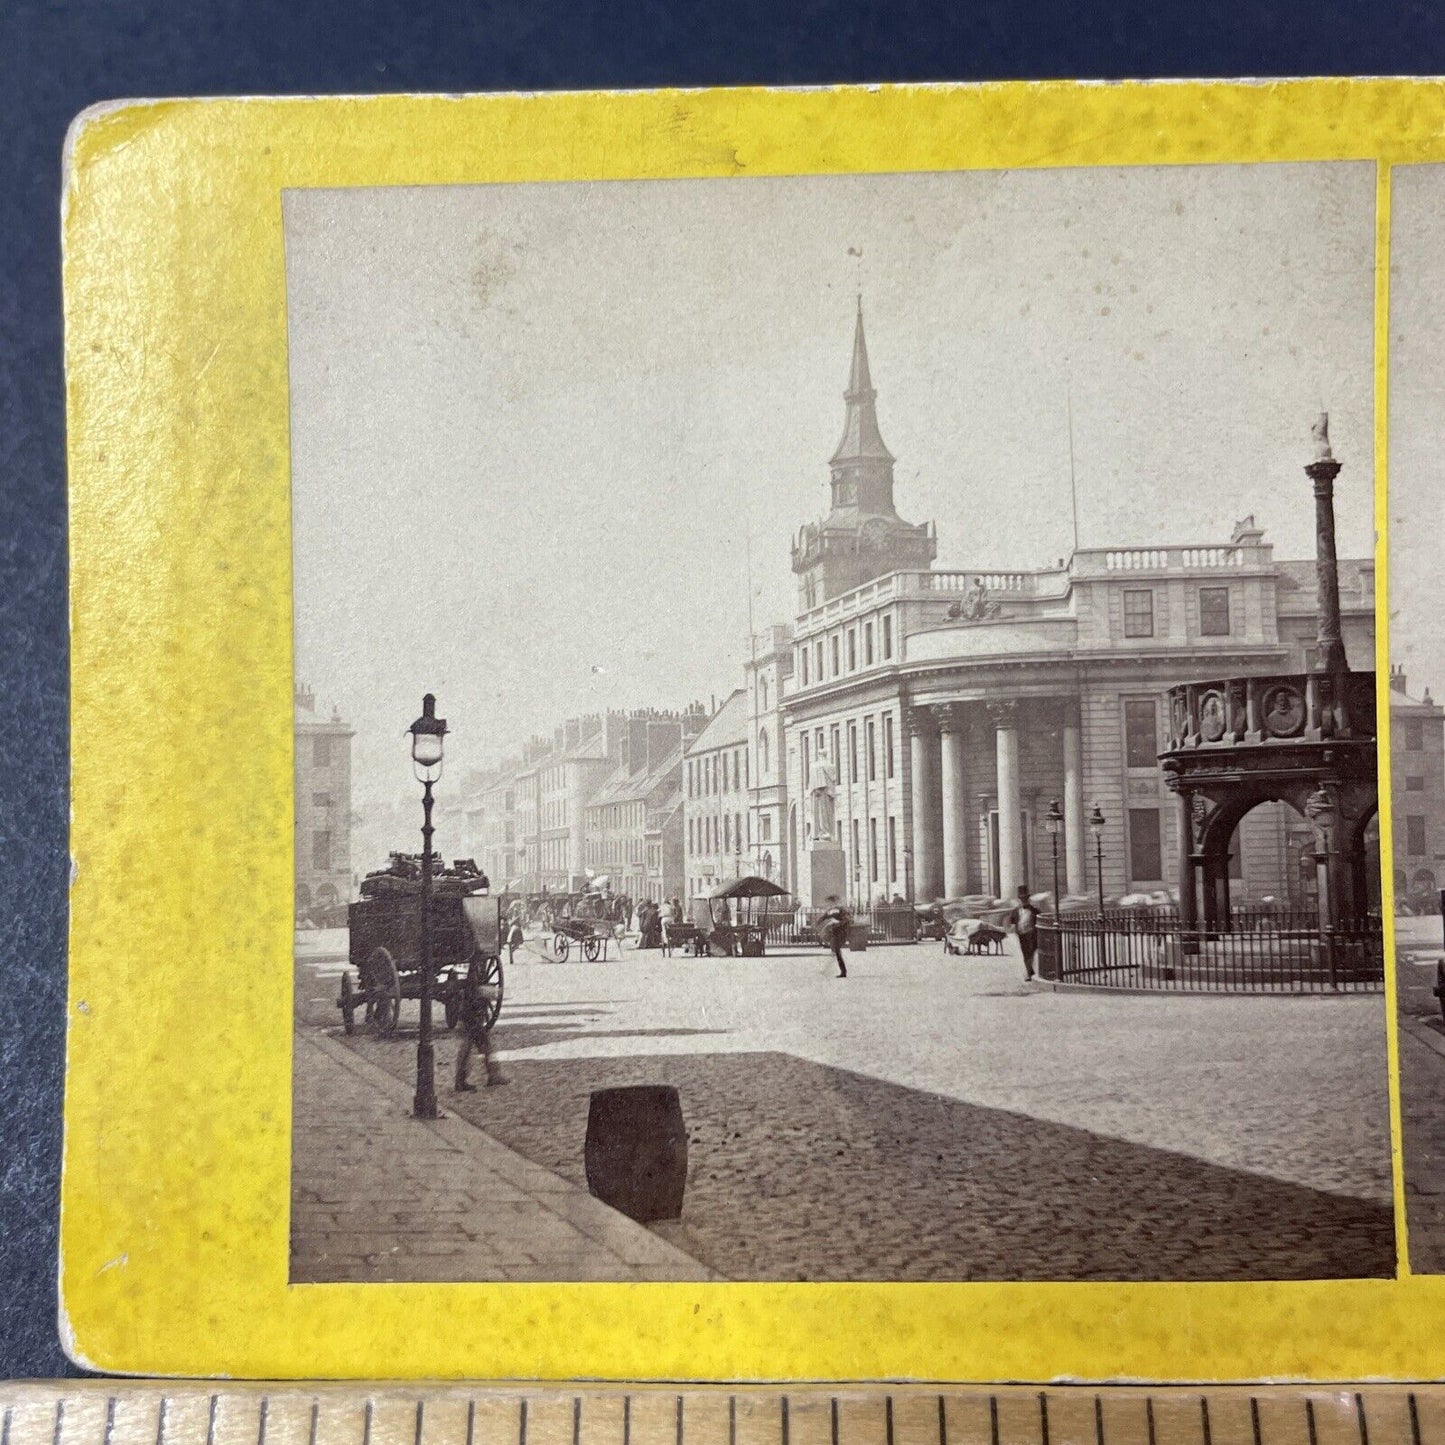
<point x="385" y="946"/>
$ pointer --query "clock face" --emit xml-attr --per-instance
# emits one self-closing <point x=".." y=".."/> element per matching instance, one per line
<point x="875" y="535"/>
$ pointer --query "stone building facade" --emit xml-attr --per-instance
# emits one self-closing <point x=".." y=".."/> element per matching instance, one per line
<point x="943" y="711"/>
<point x="717" y="784"/>
<point x="323" y="810"/>
<point x="1417" y="758"/>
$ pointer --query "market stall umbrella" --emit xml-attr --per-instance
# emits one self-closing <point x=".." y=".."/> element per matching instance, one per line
<point x="751" y="887"/>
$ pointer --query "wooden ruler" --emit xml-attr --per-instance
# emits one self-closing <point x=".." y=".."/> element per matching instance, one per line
<point x="109" y="1412"/>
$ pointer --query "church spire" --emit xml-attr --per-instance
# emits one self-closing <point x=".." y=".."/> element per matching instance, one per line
<point x="862" y="441"/>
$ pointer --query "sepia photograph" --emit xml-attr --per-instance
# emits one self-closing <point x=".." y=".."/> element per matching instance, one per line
<point x="1417" y="675"/>
<point x="835" y="727"/>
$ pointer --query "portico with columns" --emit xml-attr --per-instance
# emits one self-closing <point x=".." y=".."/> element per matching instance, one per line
<point x="982" y="774"/>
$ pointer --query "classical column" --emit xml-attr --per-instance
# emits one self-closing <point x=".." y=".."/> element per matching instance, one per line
<point x="1010" y="803"/>
<point x="923" y="778"/>
<point x="955" y="801"/>
<point x="1188" y="894"/>
<point x="1322" y="471"/>
<point x="1076" y="861"/>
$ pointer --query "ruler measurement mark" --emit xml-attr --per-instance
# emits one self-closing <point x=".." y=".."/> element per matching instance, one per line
<point x="5" y="1425"/>
<point x="993" y="1419"/>
<point x="626" y="1421"/>
<point x="679" y="1420"/>
<point x="942" y="1421"/>
<point x="1414" y="1419"/>
<point x="315" y="1421"/>
<point x="522" y="1422"/>
<point x="261" y="1424"/>
<point x="887" y="1417"/>
<point x="1098" y="1420"/>
<point x="1254" y="1419"/>
<point x="784" y="1418"/>
<point x="833" y="1421"/>
<point x="1360" y="1416"/>
<point x="105" y="1434"/>
<point x="60" y="1418"/>
<point x="211" y="1410"/>
<point x="366" y="1425"/>
<point x="471" y="1421"/>
<point x="1043" y="1419"/>
<point x="420" y="1415"/>
<point x="732" y="1420"/>
<point x="1204" y="1419"/>
<point x="1310" y="1420"/>
<point x="576" y="1420"/>
<point x="1149" y="1417"/>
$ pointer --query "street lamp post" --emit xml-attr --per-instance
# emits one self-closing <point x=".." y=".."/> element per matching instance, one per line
<point x="1096" y="822"/>
<point x="427" y="733"/>
<point x="1055" y="820"/>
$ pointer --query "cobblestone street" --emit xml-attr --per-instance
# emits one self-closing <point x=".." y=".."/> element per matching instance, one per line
<point x="932" y="1118"/>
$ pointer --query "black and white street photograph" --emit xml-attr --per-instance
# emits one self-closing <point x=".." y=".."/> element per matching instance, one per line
<point x="1417" y="679"/>
<point x="835" y="728"/>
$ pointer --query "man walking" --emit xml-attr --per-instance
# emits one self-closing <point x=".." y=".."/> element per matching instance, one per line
<point x="1024" y="921"/>
<point x="475" y="1033"/>
<point x="833" y="929"/>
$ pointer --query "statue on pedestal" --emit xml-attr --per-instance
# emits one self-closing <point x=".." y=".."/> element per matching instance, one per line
<point x="822" y="796"/>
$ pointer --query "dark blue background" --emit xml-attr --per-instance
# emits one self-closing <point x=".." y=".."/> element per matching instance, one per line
<point x="56" y="58"/>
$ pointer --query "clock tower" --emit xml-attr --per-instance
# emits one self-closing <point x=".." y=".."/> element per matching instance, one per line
<point x="862" y="537"/>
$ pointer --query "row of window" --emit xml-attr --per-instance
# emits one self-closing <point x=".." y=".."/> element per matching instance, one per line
<point x="845" y="651"/>
<point x="615" y="850"/>
<point x="721" y="772"/>
<point x="874" y="861"/>
<point x="827" y="743"/>
<point x="1213" y="612"/>
<point x="723" y="834"/>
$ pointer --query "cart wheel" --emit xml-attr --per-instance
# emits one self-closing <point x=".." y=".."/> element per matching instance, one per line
<point x="592" y="949"/>
<point x="347" y="1003"/>
<point x="383" y="992"/>
<point x="488" y="983"/>
<point x="560" y="944"/>
<point x="452" y="1001"/>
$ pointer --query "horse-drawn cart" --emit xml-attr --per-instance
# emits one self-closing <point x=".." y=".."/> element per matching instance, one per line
<point x="385" y="947"/>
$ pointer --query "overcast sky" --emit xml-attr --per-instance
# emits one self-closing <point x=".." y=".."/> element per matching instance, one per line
<point x="534" y="425"/>
<point x="1417" y="423"/>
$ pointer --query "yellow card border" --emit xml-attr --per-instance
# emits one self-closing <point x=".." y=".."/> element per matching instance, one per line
<point x="177" y="1143"/>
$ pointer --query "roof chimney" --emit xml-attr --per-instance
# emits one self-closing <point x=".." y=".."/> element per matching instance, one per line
<point x="1397" y="679"/>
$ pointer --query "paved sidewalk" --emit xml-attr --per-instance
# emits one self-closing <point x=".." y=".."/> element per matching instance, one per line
<point x="380" y="1196"/>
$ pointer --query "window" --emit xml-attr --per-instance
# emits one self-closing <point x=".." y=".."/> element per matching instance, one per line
<point x="892" y="847"/>
<point x="727" y="834"/>
<point x="321" y="800"/>
<point x="805" y="762"/>
<point x="321" y="752"/>
<point x="737" y="832"/>
<point x="321" y="850"/>
<point x="763" y="692"/>
<point x="852" y="752"/>
<point x="1146" y="862"/>
<point x="873" y="849"/>
<point x="803" y="654"/>
<point x="872" y="741"/>
<point x="1139" y="612"/>
<point x="857" y="851"/>
<point x="868" y="644"/>
<point x="1141" y="734"/>
<point x="852" y="649"/>
<point x="888" y="745"/>
<point x="763" y="751"/>
<point x="1415" y="835"/>
<point x="1414" y="785"/>
<point x="1414" y="736"/>
<point x="818" y="658"/>
<point x="888" y="635"/>
<point x="833" y="652"/>
<point x="1214" y="611"/>
<point x="765" y="827"/>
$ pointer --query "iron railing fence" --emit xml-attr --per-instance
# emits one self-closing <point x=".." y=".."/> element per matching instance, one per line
<point x="886" y="923"/>
<point x="1261" y="951"/>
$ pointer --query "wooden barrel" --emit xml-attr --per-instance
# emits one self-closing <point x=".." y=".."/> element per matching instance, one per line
<point x="637" y="1151"/>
